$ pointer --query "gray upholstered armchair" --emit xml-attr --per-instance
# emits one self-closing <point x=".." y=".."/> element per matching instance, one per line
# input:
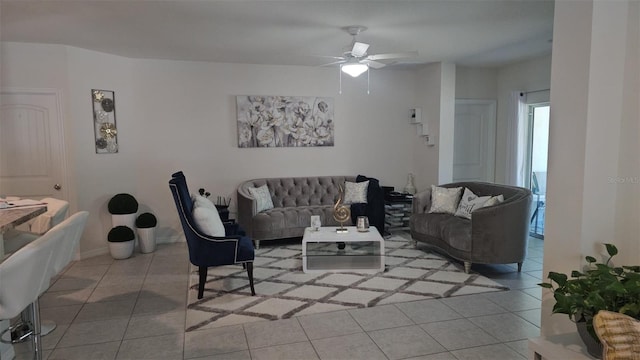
<point x="495" y="235"/>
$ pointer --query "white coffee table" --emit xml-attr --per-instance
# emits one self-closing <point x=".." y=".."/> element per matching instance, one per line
<point x="362" y="251"/>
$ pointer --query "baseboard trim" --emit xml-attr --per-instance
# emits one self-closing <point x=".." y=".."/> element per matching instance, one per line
<point x="105" y="249"/>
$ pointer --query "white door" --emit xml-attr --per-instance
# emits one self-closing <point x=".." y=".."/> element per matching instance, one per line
<point x="31" y="144"/>
<point x="474" y="141"/>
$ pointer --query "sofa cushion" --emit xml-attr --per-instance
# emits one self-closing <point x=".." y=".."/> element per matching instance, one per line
<point x="355" y="192"/>
<point x="457" y="232"/>
<point x="444" y="200"/>
<point x="451" y="229"/>
<point x="291" y="221"/>
<point x="469" y="203"/>
<point x="263" y="198"/>
<point x="429" y="224"/>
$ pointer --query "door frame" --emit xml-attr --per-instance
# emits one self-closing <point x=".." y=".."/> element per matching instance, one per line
<point x="528" y="161"/>
<point x="491" y="140"/>
<point x="61" y="144"/>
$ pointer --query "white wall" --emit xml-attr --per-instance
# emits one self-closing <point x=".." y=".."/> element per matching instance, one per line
<point x="447" y="121"/>
<point x="627" y="226"/>
<point x="497" y="84"/>
<point x="175" y="115"/>
<point x="199" y="128"/>
<point x="433" y="165"/>
<point x="476" y="83"/>
<point x="424" y="159"/>
<point x="100" y="176"/>
<point x="592" y="183"/>
<point x="531" y="75"/>
<point x="43" y="67"/>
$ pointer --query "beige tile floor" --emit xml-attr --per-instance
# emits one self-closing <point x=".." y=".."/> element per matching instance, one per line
<point x="135" y="309"/>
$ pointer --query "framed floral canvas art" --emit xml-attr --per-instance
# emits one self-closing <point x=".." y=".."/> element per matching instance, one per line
<point x="284" y="121"/>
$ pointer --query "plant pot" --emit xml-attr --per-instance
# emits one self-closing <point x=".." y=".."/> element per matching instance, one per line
<point x="128" y="220"/>
<point x="121" y="250"/>
<point x="147" y="239"/>
<point x="594" y="347"/>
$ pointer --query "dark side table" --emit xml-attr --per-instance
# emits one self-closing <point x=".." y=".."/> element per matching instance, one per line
<point x="397" y="211"/>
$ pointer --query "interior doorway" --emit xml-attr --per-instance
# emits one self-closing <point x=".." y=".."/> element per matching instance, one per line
<point x="538" y="115"/>
<point x="474" y="141"/>
<point x="32" y="159"/>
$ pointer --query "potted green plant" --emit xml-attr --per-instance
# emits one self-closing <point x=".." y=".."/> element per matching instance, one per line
<point x="123" y="208"/>
<point x="121" y="242"/>
<point x="146" y="228"/>
<point x="601" y="286"/>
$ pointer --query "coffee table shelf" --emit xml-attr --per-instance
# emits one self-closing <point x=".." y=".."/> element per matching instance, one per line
<point x="325" y="250"/>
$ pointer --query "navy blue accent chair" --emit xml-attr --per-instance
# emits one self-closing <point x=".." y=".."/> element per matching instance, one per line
<point x="204" y="250"/>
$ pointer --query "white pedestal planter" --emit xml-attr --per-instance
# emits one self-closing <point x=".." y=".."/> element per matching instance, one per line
<point x="121" y="250"/>
<point x="147" y="239"/>
<point x="128" y="220"/>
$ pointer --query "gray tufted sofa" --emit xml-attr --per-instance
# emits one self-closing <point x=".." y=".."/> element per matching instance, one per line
<point x="294" y="199"/>
<point x="495" y="235"/>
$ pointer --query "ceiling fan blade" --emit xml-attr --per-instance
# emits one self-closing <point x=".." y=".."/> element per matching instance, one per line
<point x="373" y="64"/>
<point x="359" y="49"/>
<point x="330" y="57"/>
<point x="334" y="63"/>
<point x="402" y="55"/>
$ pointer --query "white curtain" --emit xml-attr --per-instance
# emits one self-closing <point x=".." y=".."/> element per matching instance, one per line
<point x="516" y="139"/>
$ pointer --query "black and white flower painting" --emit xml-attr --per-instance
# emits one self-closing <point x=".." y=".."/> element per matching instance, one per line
<point x="284" y="121"/>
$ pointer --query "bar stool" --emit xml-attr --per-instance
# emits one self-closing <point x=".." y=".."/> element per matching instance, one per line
<point x="15" y="239"/>
<point x="27" y="273"/>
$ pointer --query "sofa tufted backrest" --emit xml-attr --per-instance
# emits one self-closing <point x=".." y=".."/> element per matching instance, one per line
<point x="300" y="191"/>
<point x="510" y="193"/>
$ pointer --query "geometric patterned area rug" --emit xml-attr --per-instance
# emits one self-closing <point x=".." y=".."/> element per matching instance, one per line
<point x="283" y="290"/>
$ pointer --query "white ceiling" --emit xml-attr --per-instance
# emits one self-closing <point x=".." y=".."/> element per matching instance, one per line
<point x="467" y="32"/>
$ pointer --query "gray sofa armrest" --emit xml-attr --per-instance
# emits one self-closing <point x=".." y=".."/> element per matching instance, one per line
<point x="421" y="202"/>
<point x="500" y="232"/>
<point x="247" y="207"/>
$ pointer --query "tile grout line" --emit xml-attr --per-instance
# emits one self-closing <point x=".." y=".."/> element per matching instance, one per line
<point x="503" y="343"/>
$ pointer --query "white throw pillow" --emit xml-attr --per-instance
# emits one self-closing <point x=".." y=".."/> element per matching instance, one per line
<point x="199" y="200"/>
<point x="495" y="200"/>
<point x="355" y="193"/>
<point x="263" y="198"/>
<point x="469" y="203"/>
<point x="444" y="200"/>
<point x="208" y="220"/>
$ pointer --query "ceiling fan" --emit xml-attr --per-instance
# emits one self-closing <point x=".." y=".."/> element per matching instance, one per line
<point x="356" y="61"/>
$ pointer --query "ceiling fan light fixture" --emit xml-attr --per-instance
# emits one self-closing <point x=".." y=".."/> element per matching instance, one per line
<point x="354" y="69"/>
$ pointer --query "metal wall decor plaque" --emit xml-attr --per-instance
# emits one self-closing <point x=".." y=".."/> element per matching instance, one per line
<point x="104" y="121"/>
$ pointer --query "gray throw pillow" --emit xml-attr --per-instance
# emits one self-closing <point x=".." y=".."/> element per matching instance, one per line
<point x="355" y="193"/>
<point x="444" y="200"/>
<point x="495" y="200"/>
<point x="263" y="198"/>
